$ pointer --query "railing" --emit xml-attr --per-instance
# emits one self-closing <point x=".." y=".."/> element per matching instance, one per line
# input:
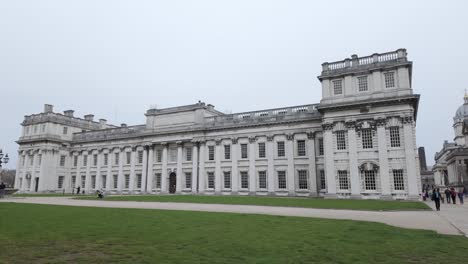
<point x="263" y="115"/>
<point x="109" y="133"/>
<point x="40" y="137"/>
<point x="355" y="61"/>
<point x="61" y="119"/>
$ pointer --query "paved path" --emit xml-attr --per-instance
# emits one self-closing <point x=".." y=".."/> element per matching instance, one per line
<point x="456" y="214"/>
<point x="429" y="220"/>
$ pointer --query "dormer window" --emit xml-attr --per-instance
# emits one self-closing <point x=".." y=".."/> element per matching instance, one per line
<point x="65" y="130"/>
<point x="389" y="79"/>
<point x="362" y="83"/>
<point x="337" y="87"/>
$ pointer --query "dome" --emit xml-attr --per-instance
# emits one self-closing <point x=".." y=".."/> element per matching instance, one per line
<point x="462" y="111"/>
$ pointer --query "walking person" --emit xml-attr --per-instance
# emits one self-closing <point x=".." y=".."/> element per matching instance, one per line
<point x="436" y="198"/>
<point x="2" y="190"/>
<point x="453" y="195"/>
<point x="447" y="195"/>
<point x="78" y="190"/>
<point x="460" y="195"/>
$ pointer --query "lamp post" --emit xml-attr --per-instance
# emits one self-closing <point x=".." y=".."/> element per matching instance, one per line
<point x="3" y="159"/>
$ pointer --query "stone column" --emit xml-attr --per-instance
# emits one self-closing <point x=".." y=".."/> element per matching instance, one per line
<point x="383" y="159"/>
<point x="164" y="170"/>
<point x="179" y="168"/>
<point x="78" y="170"/>
<point x="291" y="172"/>
<point x="17" y="175"/>
<point x="109" y="176"/>
<point x="98" y="170"/>
<point x="353" y="161"/>
<point x="25" y="172"/>
<point x="149" y="172"/>
<point x="312" y="165"/>
<point x="201" y="177"/>
<point x="270" y="149"/>
<point x="33" y="173"/>
<point x="132" y="179"/>
<point x="218" y="166"/>
<point x="252" y="172"/>
<point x="120" y="181"/>
<point x="194" y="167"/>
<point x="329" y="160"/>
<point x="42" y="169"/>
<point x="234" y="170"/>
<point x="144" y="168"/>
<point x="412" y="173"/>
<point x="88" y="174"/>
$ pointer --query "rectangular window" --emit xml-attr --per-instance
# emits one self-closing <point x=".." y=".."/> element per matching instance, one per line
<point x="340" y="140"/>
<point x="337" y="87"/>
<point x="262" y="180"/>
<point x="173" y="155"/>
<point x="227" y="179"/>
<point x="369" y="180"/>
<point x="343" y="179"/>
<point x="129" y="157"/>
<point x="366" y="138"/>
<point x="188" y="180"/>
<point x="398" y="180"/>
<point x="301" y="148"/>
<point x="389" y="79"/>
<point x="394" y="137"/>
<point x="227" y="152"/>
<point x="362" y="83"/>
<point x="211" y="180"/>
<point x="23" y="160"/>
<point x="303" y="182"/>
<point x="320" y="143"/>
<point x="85" y="160"/>
<point x="261" y="150"/>
<point x="39" y="159"/>
<point x="280" y="146"/>
<point x="62" y="161"/>
<point x="65" y="130"/>
<point x="211" y="153"/>
<point x="104" y="181"/>
<point x="127" y="181"/>
<point x="31" y="160"/>
<point x="323" y="180"/>
<point x="95" y="159"/>
<point x="188" y="154"/>
<point x="140" y="157"/>
<point x="159" y="155"/>
<point x="35" y="129"/>
<point x="106" y="159"/>
<point x="244" y="180"/>
<point x="83" y="181"/>
<point x="138" y="181"/>
<point x="60" y="182"/>
<point x="75" y="161"/>
<point x="73" y="182"/>
<point x="115" y="178"/>
<point x="281" y="179"/>
<point x="43" y="128"/>
<point x="243" y="151"/>
<point x="116" y="160"/>
<point x="93" y="181"/>
<point x="157" y="180"/>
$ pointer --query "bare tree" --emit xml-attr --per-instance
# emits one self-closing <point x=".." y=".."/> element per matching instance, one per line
<point x="8" y="177"/>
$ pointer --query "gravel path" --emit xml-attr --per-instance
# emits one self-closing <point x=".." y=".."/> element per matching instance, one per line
<point x="429" y="220"/>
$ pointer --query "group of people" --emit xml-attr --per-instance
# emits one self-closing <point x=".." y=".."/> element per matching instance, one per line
<point x="449" y="194"/>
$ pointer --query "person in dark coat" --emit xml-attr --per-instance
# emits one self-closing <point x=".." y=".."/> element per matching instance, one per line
<point x="453" y="195"/>
<point x="461" y="193"/>
<point x="78" y="190"/>
<point x="447" y="195"/>
<point x="436" y="198"/>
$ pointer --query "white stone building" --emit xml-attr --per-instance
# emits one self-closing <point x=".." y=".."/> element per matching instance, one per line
<point x="451" y="162"/>
<point x="358" y="142"/>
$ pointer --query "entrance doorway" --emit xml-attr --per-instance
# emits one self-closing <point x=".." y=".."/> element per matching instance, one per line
<point x="37" y="184"/>
<point x="172" y="182"/>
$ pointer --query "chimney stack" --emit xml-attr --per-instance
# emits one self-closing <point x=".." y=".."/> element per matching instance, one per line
<point x="123" y="125"/>
<point x="48" y="108"/>
<point x="89" y="117"/>
<point x="68" y="113"/>
<point x="103" y="123"/>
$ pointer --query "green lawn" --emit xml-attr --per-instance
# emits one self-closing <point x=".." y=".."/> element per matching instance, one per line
<point x="373" y="205"/>
<point x="60" y="234"/>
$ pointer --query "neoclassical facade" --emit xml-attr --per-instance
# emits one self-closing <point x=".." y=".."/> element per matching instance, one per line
<point x="451" y="162"/>
<point x="358" y="142"/>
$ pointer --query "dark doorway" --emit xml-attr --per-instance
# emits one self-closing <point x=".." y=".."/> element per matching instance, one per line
<point x="37" y="184"/>
<point x="172" y="182"/>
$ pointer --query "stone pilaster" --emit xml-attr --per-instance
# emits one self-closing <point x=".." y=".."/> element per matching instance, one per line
<point x="312" y="164"/>
<point x="179" y="168"/>
<point x="149" y="173"/>
<point x="218" y="156"/>
<point x="194" y="167"/>
<point x="410" y="153"/>
<point x="235" y="170"/>
<point x="383" y="159"/>
<point x="164" y="176"/>
<point x="291" y="172"/>
<point x="329" y="160"/>
<point x="202" y="176"/>
<point x="271" y="166"/>
<point x="132" y="183"/>
<point x="252" y="172"/>
<point x="353" y="161"/>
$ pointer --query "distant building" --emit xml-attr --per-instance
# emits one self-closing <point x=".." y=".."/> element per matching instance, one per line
<point x="451" y="162"/>
<point x="427" y="176"/>
<point x="358" y="142"/>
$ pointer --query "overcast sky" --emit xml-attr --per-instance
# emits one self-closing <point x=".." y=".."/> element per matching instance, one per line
<point x="115" y="59"/>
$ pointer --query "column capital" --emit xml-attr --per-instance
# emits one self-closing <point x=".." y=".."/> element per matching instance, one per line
<point x="218" y="142"/>
<point x="310" y="135"/>
<point x="327" y="126"/>
<point x="290" y="136"/>
<point x="270" y="137"/>
<point x="179" y="143"/>
<point x="381" y="122"/>
<point x="407" y="119"/>
<point x="252" y="139"/>
<point x="234" y="140"/>
<point x="350" y="124"/>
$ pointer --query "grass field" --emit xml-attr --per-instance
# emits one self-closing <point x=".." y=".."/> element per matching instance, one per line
<point x="60" y="234"/>
<point x="373" y="205"/>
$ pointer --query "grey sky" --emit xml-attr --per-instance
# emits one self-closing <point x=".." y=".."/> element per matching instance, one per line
<point x="117" y="58"/>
